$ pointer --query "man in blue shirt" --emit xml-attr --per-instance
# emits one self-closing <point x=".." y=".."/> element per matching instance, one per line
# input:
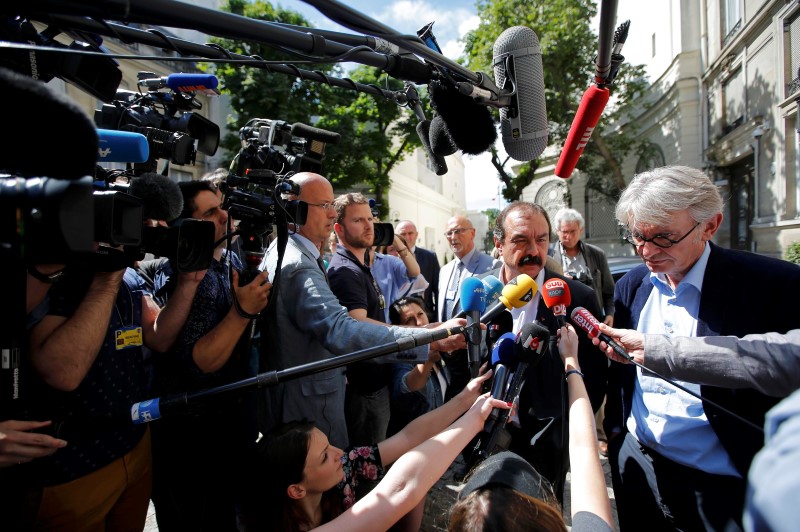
<point x="677" y="462"/>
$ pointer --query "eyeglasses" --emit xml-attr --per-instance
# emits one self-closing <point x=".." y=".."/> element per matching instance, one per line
<point x="325" y="206"/>
<point x="453" y="232"/>
<point x="659" y="240"/>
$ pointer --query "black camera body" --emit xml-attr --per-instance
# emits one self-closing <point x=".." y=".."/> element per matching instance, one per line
<point x="383" y="234"/>
<point x="583" y="277"/>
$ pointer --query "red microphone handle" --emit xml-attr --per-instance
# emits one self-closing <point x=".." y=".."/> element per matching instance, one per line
<point x="591" y="108"/>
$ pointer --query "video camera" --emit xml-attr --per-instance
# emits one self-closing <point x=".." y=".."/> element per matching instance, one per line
<point x="153" y="114"/>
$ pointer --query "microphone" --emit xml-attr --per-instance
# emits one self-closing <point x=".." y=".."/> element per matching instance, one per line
<point x="122" y="147"/>
<point x="591" y="108"/>
<point x="441" y="142"/>
<point x="152" y="409"/>
<point x="557" y="297"/>
<point x="423" y="131"/>
<point x="204" y="83"/>
<point x="493" y="287"/>
<point x="517" y="293"/>
<point x="33" y="104"/>
<point x="586" y="321"/>
<point x="473" y="301"/>
<point x="161" y="197"/>
<point x="469" y="124"/>
<point x="503" y="359"/>
<point x="518" y="70"/>
<point x="314" y="133"/>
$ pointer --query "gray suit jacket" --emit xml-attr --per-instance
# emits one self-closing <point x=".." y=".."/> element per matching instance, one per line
<point x="479" y="264"/>
<point x="310" y="325"/>
<point x="766" y="362"/>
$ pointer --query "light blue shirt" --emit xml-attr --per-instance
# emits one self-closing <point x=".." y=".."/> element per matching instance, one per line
<point x="664" y="418"/>
<point x="391" y="275"/>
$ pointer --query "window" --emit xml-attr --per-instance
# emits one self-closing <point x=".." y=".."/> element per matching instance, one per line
<point x="733" y="102"/>
<point x="731" y="18"/>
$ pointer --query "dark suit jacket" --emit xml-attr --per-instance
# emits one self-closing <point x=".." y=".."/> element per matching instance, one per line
<point x="543" y="398"/>
<point x="733" y="302"/>
<point x="429" y="267"/>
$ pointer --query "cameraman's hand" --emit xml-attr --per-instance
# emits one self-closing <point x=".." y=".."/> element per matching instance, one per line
<point x="191" y="278"/>
<point x="253" y="296"/>
<point x="18" y="445"/>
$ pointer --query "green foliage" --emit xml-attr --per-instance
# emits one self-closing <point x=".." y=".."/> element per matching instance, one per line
<point x="488" y="240"/>
<point x="375" y="133"/>
<point x="792" y="253"/>
<point x="569" y="46"/>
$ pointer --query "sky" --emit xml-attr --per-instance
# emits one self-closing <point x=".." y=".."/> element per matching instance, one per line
<point x="452" y="20"/>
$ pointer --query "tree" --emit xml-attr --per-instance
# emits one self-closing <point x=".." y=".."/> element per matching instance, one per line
<point x="568" y="47"/>
<point x="491" y="215"/>
<point x="375" y="133"/>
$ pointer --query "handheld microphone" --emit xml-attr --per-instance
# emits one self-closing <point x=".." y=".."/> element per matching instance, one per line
<point x="518" y="70"/>
<point x="122" y="147"/>
<point x="503" y="359"/>
<point x="493" y="287"/>
<point x="423" y="131"/>
<point x="517" y="293"/>
<point x="557" y="297"/>
<point x="473" y="301"/>
<point x="586" y="321"/>
<point x="588" y="115"/>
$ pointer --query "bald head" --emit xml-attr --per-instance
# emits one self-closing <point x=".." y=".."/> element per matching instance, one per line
<point x="460" y="235"/>
<point x="317" y="191"/>
<point x="408" y="231"/>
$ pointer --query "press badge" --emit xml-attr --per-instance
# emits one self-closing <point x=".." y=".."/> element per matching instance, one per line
<point x="128" y="337"/>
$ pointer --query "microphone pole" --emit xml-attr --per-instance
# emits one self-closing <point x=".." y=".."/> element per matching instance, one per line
<point x="152" y="409"/>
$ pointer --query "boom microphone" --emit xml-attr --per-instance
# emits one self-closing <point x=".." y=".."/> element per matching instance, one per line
<point x="591" y="108"/>
<point x="473" y="301"/>
<point x="161" y="197"/>
<point x="518" y="70"/>
<point x="586" y="321"/>
<point x="517" y="293"/>
<point x="557" y="297"/>
<point x="441" y="142"/>
<point x="423" y="131"/>
<point x="122" y="147"/>
<point x="470" y="124"/>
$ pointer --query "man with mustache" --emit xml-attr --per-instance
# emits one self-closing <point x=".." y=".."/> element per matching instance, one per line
<point x="522" y="235"/>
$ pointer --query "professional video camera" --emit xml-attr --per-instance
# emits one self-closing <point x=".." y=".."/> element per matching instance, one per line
<point x="153" y="114"/>
<point x="271" y="152"/>
<point x="119" y="212"/>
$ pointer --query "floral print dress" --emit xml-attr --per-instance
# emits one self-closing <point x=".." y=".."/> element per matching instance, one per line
<point x="359" y="463"/>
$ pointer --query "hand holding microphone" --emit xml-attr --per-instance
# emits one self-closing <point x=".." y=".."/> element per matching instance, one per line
<point x="503" y="363"/>
<point x="586" y="321"/>
<point x="631" y="341"/>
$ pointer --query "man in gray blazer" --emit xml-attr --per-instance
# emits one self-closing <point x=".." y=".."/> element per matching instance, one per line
<point x="310" y="325"/>
<point x="469" y="262"/>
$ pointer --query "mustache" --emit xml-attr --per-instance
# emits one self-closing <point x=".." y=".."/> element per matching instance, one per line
<point x="536" y="260"/>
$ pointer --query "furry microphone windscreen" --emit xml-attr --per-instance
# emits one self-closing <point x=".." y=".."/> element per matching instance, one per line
<point x="161" y="197"/>
<point x="47" y="134"/>
<point x="441" y="142"/>
<point x="470" y="124"/>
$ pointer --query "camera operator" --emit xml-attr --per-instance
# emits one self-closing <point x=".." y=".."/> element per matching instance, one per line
<point x="87" y="357"/>
<point x="198" y="460"/>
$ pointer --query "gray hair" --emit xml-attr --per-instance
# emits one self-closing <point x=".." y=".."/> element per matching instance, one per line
<point x="568" y="215"/>
<point x="652" y="197"/>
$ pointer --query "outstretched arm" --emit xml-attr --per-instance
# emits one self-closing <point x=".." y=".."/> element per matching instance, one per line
<point x="414" y="473"/>
<point x="588" y="480"/>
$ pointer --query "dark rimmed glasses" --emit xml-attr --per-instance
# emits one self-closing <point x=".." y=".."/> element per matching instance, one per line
<point x="661" y="241"/>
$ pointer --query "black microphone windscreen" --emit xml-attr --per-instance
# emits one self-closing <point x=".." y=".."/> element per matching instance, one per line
<point x="441" y="142"/>
<point x="518" y="66"/>
<point x="161" y="197"/>
<point x="470" y="124"/>
<point x="27" y="151"/>
<point x="423" y="130"/>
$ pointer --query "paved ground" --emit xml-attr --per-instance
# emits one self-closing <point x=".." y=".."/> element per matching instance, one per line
<point x="441" y="498"/>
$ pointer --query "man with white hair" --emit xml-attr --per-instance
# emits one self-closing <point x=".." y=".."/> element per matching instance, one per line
<point x="678" y="462"/>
